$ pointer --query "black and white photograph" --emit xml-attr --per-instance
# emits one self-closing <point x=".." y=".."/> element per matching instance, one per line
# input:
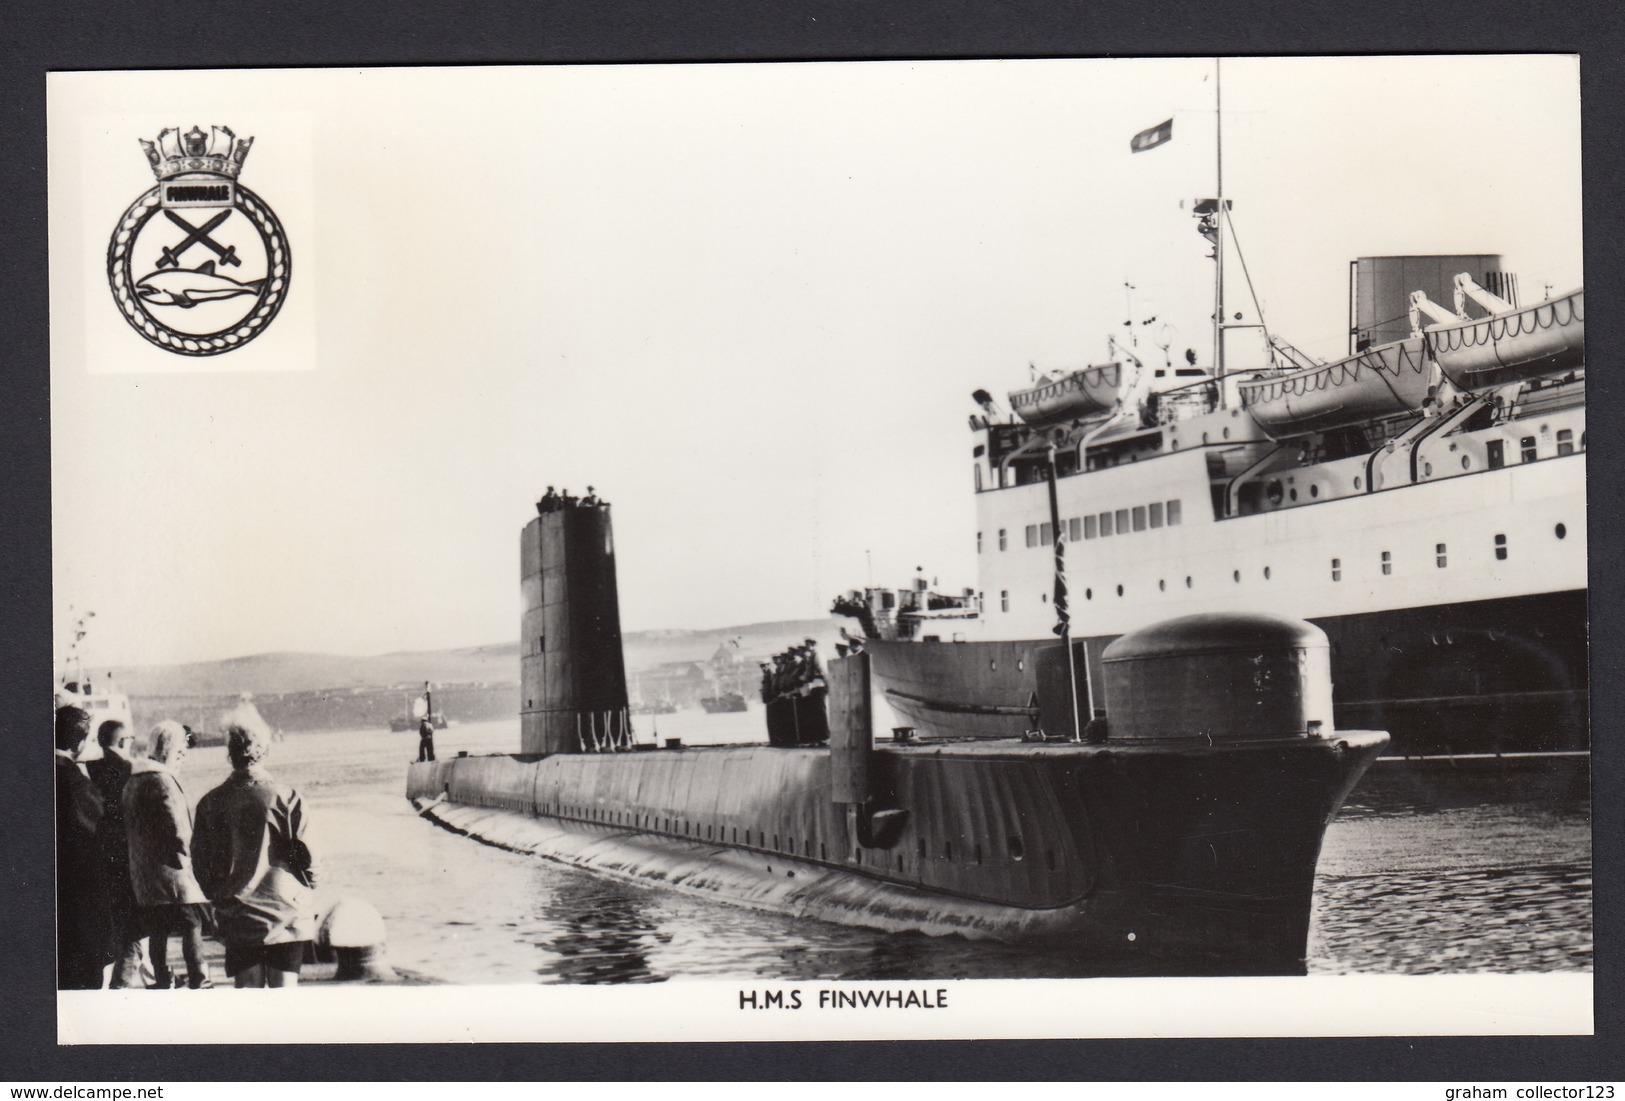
<point x="903" y="549"/>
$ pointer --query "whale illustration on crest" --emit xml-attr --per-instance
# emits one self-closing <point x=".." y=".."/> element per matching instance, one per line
<point x="187" y="287"/>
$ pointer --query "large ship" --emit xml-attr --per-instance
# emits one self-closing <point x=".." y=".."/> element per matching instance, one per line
<point x="1420" y="498"/>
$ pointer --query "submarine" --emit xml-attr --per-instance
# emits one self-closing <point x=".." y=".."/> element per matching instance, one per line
<point x="1178" y="833"/>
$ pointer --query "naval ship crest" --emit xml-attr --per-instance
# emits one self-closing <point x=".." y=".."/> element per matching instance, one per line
<point x="199" y="264"/>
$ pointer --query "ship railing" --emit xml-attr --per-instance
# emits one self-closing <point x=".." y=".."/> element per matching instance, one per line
<point x="1550" y="397"/>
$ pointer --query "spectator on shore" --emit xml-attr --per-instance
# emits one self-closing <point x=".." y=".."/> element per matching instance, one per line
<point x="83" y="924"/>
<point x="158" y="820"/>
<point x="251" y="859"/>
<point x="110" y="773"/>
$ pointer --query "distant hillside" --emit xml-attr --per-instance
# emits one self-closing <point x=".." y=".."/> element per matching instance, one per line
<point x="498" y="664"/>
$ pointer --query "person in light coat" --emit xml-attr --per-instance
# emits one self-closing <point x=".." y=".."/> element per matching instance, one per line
<point x="251" y="859"/>
<point x="158" y="823"/>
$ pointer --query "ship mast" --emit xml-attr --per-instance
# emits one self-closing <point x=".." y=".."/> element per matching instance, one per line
<point x="1063" y="626"/>
<point x="1218" y="225"/>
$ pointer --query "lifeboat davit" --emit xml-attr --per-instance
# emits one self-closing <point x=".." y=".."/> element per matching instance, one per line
<point x="1384" y="381"/>
<point x="1087" y="392"/>
<point x="1547" y="338"/>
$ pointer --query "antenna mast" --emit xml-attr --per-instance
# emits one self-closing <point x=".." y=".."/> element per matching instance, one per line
<point x="1218" y="244"/>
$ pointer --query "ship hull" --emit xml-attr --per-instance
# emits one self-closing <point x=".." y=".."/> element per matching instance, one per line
<point x="1185" y="857"/>
<point x="1491" y="676"/>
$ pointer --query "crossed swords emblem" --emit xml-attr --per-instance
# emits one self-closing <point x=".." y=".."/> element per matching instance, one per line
<point x="198" y="235"/>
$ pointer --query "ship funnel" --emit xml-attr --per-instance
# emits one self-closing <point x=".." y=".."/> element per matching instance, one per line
<point x="572" y="672"/>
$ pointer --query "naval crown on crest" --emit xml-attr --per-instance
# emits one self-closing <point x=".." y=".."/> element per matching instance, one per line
<point x="218" y="152"/>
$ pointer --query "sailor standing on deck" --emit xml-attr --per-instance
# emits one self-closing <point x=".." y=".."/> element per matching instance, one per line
<point x="425" y="740"/>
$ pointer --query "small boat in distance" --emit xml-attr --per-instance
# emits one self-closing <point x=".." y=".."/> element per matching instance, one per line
<point x="722" y="704"/>
<point x="77" y="685"/>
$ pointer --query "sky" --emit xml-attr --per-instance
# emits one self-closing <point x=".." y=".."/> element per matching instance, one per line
<point x="747" y="303"/>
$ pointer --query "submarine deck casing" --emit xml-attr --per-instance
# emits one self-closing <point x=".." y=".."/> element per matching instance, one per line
<point x="1184" y="850"/>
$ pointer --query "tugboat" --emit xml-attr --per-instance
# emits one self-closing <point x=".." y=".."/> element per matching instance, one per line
<point x="1180" y="833"/>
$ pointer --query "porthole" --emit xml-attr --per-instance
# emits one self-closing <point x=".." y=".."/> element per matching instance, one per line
<point x="994" y="664"/>
<point x="1016" y="851"/>
<point x="1427" y="470"/>
<point x="1266" y="573"/>
<point x="1088" y="594"/>
<point x="1119" y="590"/>
<point x="1162" y="585"/>
<point x="1561" y="531"/>
<point x="1314" y="491"/>
<point x="1021" y="664"/>
<point x="1356" y="481"/>
<point x="1187" y="582"/>
<point x="1227" y="432"/>
<point x="1292" y="493"/>
<point x="1467" y="462"/>
<point x="1236" y="576"/>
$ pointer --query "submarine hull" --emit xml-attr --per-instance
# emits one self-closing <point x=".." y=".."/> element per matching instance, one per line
<point x="1187" y="856"/>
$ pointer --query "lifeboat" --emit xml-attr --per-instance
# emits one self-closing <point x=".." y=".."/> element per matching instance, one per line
<point x="1385" y="381"/>
<point x="1087" y="392"/>
<point x="1547" y="338"/>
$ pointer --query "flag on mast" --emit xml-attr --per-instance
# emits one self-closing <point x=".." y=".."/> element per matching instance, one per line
<point x="1160" y="134"/>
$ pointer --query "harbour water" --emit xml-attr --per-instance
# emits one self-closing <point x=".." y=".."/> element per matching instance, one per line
<point x="1421" y="873"/>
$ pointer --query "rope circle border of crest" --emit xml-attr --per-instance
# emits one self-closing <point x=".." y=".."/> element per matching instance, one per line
<point x="278" y="275"/>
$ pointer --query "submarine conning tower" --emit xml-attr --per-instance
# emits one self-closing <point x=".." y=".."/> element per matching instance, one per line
<point x="571" y="670"/>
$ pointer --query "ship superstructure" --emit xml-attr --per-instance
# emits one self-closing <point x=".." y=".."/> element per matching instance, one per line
<point x="1421" y="500"/>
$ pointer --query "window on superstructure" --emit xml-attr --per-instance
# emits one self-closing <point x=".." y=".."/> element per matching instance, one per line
<point x="1074" y="529"/>
<point x="1105" y="524"/>
<point x="1173" y="514"/>
<point x="1122" y="521"/>
<point x="1032" y="535"/>
<point x="1091" y="526"/>
<point x="1526" y="450"/>
<point x="1387" y="563"/>
<point x="1139" y="517"/>
<point x="1337" y="569"/>
<point x="1001" y="539"/>
<point x="1500" y="548"/>
<point x="1565" y="441"/>
<point x="978" y="542"/>
<point x="1440" y="558"/>
<point x="1004" y="600"/>
<point x="1154" y="514"/>
<point x="1046" y="534"/>
<point x="541" y="643"/>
